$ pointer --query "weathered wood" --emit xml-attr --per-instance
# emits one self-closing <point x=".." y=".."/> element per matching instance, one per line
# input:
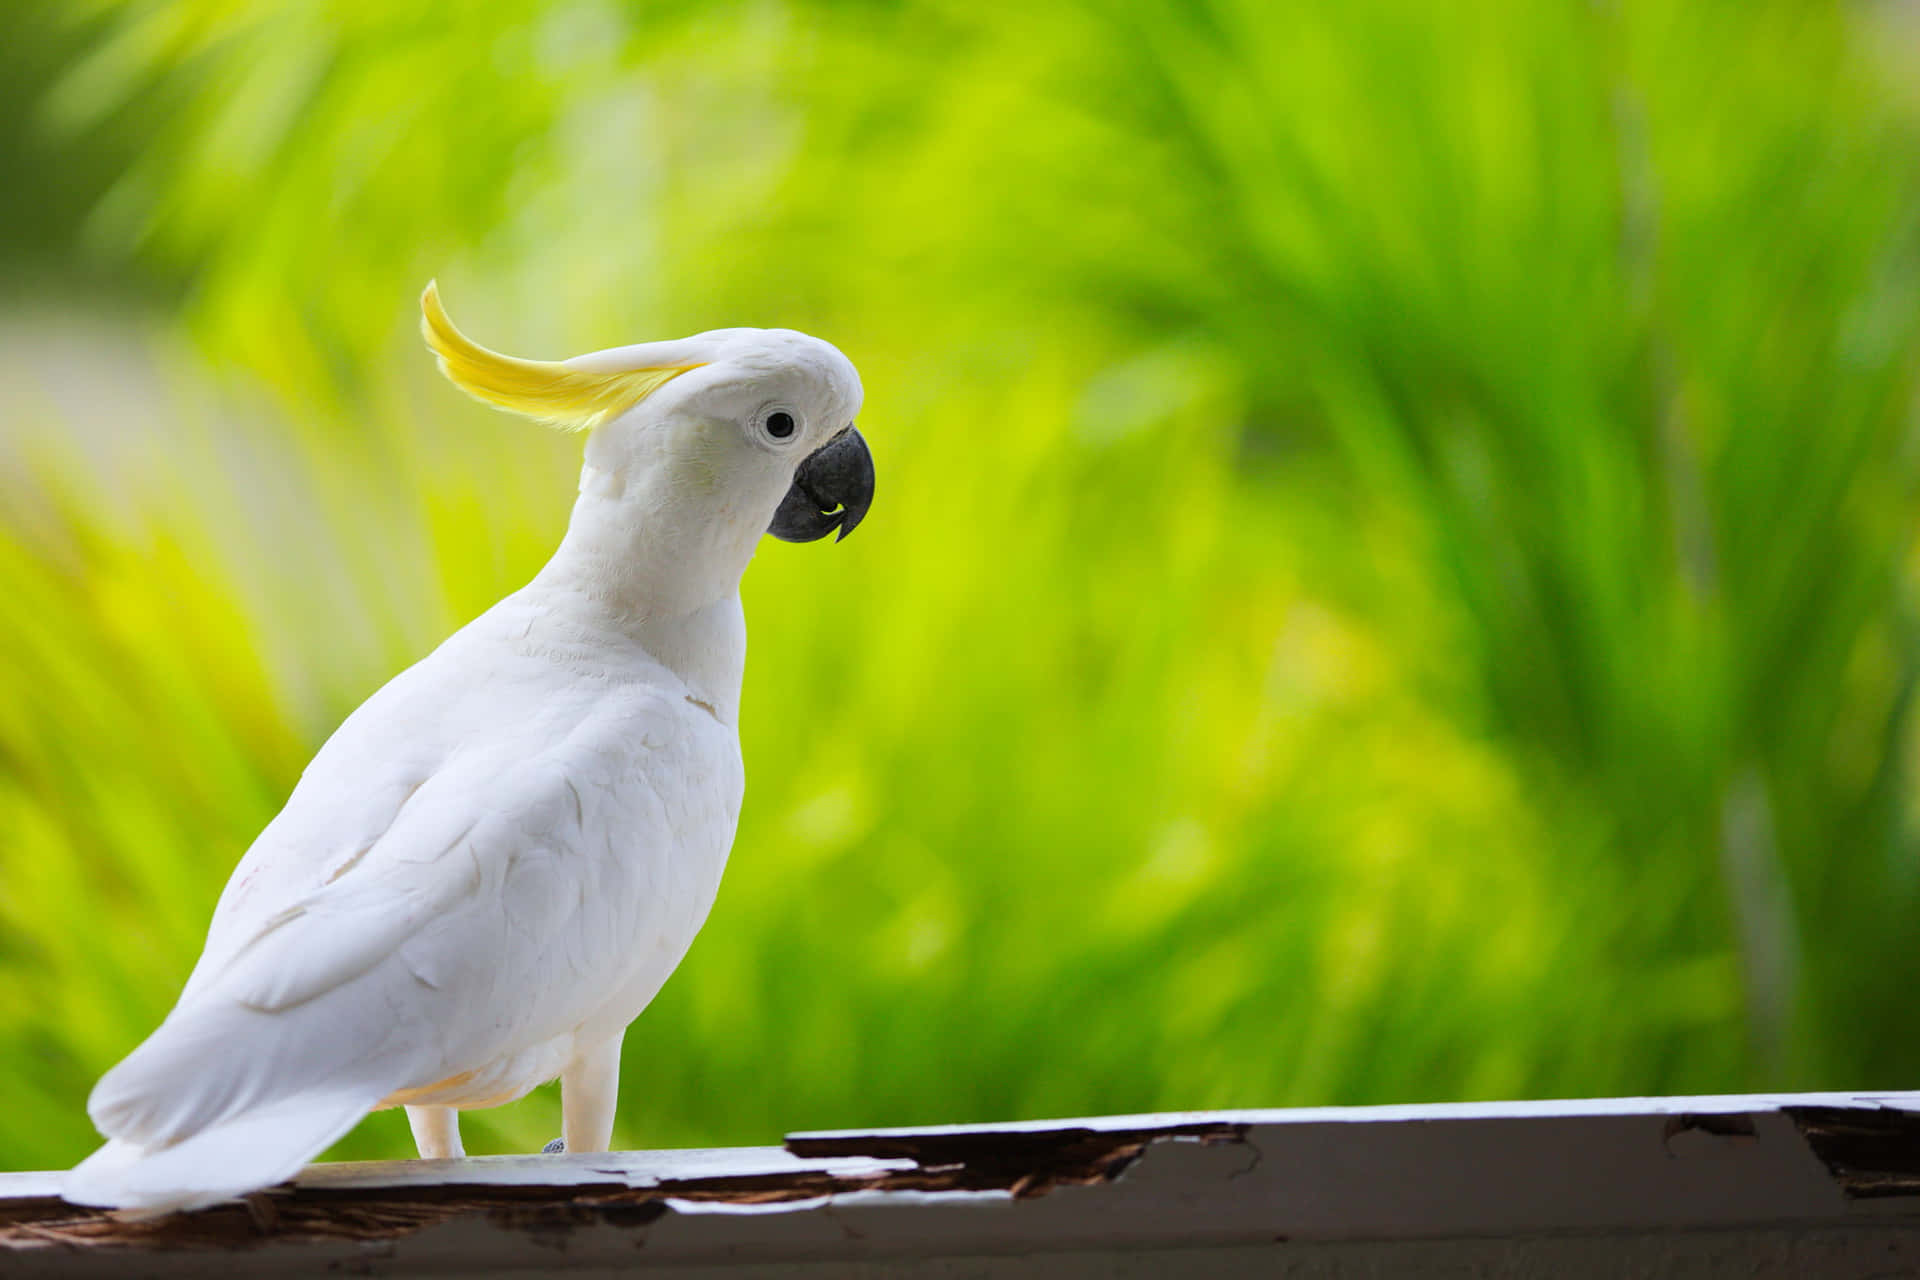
<point x="1810" y="1185"/>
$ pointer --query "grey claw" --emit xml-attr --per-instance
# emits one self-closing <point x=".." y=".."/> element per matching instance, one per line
<point x="555" y="1148"/>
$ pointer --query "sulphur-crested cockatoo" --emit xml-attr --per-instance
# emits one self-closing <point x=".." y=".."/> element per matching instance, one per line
<point x="493" y="865"/>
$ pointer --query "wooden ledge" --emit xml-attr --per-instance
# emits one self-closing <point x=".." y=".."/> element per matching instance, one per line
<point x="1810" y="1184"/>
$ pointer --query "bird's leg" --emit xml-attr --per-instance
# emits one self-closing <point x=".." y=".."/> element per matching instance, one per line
<point x="589" y="1087"/>
<point x="436" y="1131"/>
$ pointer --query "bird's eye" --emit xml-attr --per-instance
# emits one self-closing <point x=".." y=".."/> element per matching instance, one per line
<point x="780" y="424"/>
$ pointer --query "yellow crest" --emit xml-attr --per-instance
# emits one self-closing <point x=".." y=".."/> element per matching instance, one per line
<point x="569" y="398"/>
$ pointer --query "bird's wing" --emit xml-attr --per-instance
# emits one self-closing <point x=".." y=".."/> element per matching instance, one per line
<point x="349" y="799"/>
<point x="432" y="857"/>
<point x="511" y="893"/>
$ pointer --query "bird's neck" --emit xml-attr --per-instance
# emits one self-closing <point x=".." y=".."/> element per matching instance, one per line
<point x="660" y="572"/>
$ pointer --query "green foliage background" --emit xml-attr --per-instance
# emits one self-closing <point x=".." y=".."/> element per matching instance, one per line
<point x="1392" y="576"/>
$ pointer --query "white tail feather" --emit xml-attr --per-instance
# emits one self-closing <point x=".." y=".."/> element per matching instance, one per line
<point x="230" y="1159"/>
<point x="214" y="1061"/>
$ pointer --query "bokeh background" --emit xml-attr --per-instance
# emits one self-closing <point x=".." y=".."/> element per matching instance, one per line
<point x="1393" y="576"/>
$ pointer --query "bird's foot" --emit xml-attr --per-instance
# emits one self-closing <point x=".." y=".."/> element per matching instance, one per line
<point x="558" y="1147"/>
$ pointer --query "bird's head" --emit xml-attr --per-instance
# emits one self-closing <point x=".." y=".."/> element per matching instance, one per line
<point x="751" y="428"/>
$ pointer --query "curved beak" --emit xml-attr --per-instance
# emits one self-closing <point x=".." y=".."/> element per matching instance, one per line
<point x="831" y="490"/>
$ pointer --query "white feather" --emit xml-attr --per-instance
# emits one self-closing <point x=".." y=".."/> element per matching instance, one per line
<point x="217" y="1163"/>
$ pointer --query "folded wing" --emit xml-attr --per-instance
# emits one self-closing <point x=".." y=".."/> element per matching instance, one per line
<point x="509" y="897"/>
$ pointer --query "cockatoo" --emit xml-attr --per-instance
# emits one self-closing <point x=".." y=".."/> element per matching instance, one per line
<point x="492" y="866"/>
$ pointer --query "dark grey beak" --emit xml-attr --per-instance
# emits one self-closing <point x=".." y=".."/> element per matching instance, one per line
<point x="831" y="490"/>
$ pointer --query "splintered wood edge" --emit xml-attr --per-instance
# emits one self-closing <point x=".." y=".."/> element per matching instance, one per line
<point x="1359" y="1172"/>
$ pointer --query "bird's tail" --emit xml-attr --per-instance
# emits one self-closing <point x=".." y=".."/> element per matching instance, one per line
<point x="242" y="1154"/>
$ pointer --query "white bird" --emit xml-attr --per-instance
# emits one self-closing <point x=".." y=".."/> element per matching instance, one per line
<point x="495" y="862"/>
